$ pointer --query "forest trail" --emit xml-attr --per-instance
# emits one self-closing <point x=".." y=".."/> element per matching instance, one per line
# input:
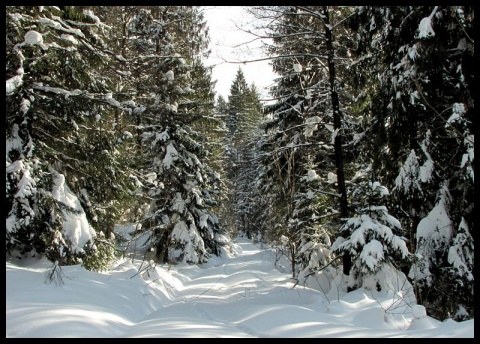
<point x="240" y="295"/>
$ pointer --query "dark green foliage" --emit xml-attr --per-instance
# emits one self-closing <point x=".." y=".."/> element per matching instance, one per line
<point x="243" y="113"/>
<point x="52" y="142"/>
<point x="110" y="117"/>
<point x="422" y="107"/>
<point x="173" y="97"/>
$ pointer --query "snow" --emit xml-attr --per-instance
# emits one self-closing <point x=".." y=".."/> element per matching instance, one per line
<point x="10" y="223"/>
<point x="180" y="59"/>
<point x="178" y="203"/>
<point x="433" y="230"/>
<point x="456" y="256"/>
<point x="169" y="75"/>
<point x="469" y="155"/>
<point x="75" y="227"/>
<point x="311" y="124"/>
<point x="425" y="28"/>
<point x="69" y="38"/>
<point x="370" y="233"/>
<point x="458" y="110"/>
<point x="172" y="107"/>
<point x="241" y="294"/>
<point x="57" y="90"/>
<point x="310" y="194"/>
<point x="203" y="219"/>
<point x="55" y="24"/>
<point x="127" y="135"/>
<point x="407" y="180"/>
<point x="426" y="171"/>
<point x="420" y="319"/>
<point x="334" y="135"/>
<point x="170" y="156"/>
<point x="112" y="101"/>
<point x="14" y="142"/>
<point x="380" y="189"/>
<point x="26" y="185"/>
<point x="90" y="14"/>
<point x="139" y="110"/>
<point x="412" y="52"/>
<point x="33" y="38"/>
<point x="180" y="232"/>
<point x="372" y="254"/>
<point x="84" y="194"/>
<point x="297" y="68"/>
<point x="437" y="224"/>
<point x="329" y="127"/>
<point x="331" y="178"/>
<point x="13" y="83"/>
<point x="312" y="175"/>
<point x="309" y="94"/>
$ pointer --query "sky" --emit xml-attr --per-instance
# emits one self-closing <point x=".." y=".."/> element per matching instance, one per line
<point x="244" y="293"/>
<point x="228" y="44"/>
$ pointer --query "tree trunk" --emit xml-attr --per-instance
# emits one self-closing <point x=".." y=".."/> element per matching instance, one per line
<point x="337" y="125"/>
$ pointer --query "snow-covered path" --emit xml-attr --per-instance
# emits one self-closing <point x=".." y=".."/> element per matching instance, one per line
<point x="240" y="296"/>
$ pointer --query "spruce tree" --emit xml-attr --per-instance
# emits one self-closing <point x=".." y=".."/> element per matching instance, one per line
<point x="244" y="113"/>
<point x="63" y="169"/>
<point x="173" y="94"/>
<point x="423" y="107"/>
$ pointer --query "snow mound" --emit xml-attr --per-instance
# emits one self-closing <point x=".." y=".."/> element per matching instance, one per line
<point x="33" y="38"/>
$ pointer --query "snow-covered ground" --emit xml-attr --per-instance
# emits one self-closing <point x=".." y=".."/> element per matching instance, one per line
<point x="241" y="294"/>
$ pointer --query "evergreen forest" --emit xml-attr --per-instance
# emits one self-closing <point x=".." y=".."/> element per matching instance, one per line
<point x="362" y="159"/>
